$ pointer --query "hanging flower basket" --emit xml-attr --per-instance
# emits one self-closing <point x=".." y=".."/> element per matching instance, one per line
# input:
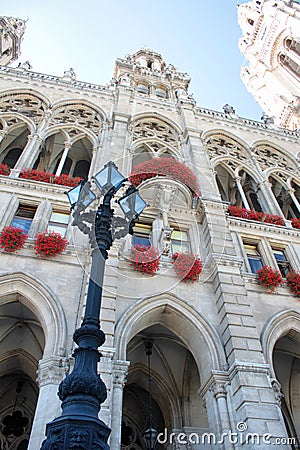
<point x="293" y="282"/>
<point x="47" y="177"/>
<point x="49" y="244"/>
<point x="251" y="214"/>
<point x="145" y="259"/>
<point x="269" y="278"/>
<point x="12" y="239"/>
<point x="296" y="223"/>
<point x="167" y="167"/>
<point x="4" y="169"/>
<point x="187" y="266"/>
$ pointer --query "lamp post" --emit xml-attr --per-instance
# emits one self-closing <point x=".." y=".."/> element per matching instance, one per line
<point x="82" y="391"/>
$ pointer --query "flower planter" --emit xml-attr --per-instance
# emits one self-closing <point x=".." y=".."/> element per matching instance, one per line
<point x="167" y="167"/>
<point x="12" y="239"/>
<point x="293" y="282"/>
<point x="145" y="259"/>
<point x="49" y="244"/>
<point x="187" y="267"/>
<point x="274" y="219"/>
<point x="4" y="169"/>
<point x="269" y="278"/>
<point x="296" y="223"/>
<point x="47" y="177"/>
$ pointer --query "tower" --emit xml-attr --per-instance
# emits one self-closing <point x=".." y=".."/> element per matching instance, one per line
<point x="11" y="34"/>
<point x="271" y="44"/>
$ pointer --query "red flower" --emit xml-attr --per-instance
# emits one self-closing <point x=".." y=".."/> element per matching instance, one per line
<point x="12" y="239"/>
<point x="296" y="223"/>
<point x="168" y="167"/>
<point x="270" y="278"/>
<point x="187" y="266"/>
<point x="4" y="169"/>
<point x="49" y="244"/>
<point x="47" y="177"/>
<point x="260" y="216"/>
<point x="145" y="259"/>
<point x="293" y="282"/>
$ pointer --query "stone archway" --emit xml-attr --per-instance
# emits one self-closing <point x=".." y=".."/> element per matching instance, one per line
<point x="281" y="339"/>
<point x="178" y="328"/>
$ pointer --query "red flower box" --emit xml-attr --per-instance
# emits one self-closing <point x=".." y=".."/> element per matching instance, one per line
<point x="269" y="278"/>
<point x="12" y="239"/>
<point x="293" y="282"/>
<point x="4" y="169"/>
<point x="47" y="177"/>
<point x="168" y="167"/>
<point x="187" y="266"/>
<point x="145" y="259"/>
<point x="49" y="244"/>
<point x="260" y="216"/>
<point x="296" y="223"/>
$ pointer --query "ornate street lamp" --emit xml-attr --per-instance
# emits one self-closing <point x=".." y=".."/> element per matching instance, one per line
<point x="82" y="391"/>
<point x="150" y="434"/>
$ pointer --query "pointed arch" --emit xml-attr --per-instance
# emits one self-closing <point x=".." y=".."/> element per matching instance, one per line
<point x="43" y="302"/>
<point x="195" y="332"/>
<point x="276" y="327"/>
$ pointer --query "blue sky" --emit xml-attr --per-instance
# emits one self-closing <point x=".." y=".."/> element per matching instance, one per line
<point x="196" y="36"/>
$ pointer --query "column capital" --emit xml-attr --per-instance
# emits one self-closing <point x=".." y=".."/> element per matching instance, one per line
<point x="276" y="386"/>
<point x="52" y="370"/>
<point x="119" y="372"/>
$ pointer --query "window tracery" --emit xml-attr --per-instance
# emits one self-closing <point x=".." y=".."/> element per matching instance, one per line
<point x="26" y="104"/>
<point x="150" y="128"/>
<point x="221" y="146"/>
<point x="79" y="115"/>
<point x="268" y="157"/>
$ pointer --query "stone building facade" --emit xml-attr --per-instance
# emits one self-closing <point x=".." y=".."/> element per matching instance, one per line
<point x="271" y="45"/>
<point x="225" y="356"/>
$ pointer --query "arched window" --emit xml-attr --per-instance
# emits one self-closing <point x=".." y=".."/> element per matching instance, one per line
<point x="12" y="157"/>
<point x="161" y="92"/>
<point x="81" y="169"/>
<point x="143" y="88"/>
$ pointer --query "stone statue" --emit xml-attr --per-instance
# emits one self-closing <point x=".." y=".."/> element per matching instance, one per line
<point x="228" y="109"/>
<point x="267" y="119"/>
<point x="69" y="74"/>
<point x="25" y="66"/>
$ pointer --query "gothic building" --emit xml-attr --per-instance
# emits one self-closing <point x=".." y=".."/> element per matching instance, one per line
<point x="271" y="45"/>
<point x="225" y="356"/>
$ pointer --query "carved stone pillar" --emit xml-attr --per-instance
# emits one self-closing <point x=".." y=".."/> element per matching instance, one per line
<point x="294" y="198"/>
<point x="265" y="187"/>
<point x="50" y="373"/>
<point x="63" y="158"/>
<point x="29" y="154"/>
<point x="120" y="369"/>
<point x="242" y="193"/>
<point x="220" y="394"/>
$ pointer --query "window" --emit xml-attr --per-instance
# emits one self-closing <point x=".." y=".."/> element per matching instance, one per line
<point x="253" y="256"/>
<point x="58" y="223"/>
<point x="180" y="242"/>
<point x="141" y="235"/>
<point x="24" y="217"/>
<point x="12" y="157"/>
<point x="282" y="262"/>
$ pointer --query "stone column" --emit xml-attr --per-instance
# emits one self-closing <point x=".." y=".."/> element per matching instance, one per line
<point x="119" y="372"/>
<point x="270" y="199"/>
<point x="63" y="158"/>
<point x="29" y="154"/>
<point x="294" y="198"/>
<point x="242" y="193"/>
<point x="51" y="372"/>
